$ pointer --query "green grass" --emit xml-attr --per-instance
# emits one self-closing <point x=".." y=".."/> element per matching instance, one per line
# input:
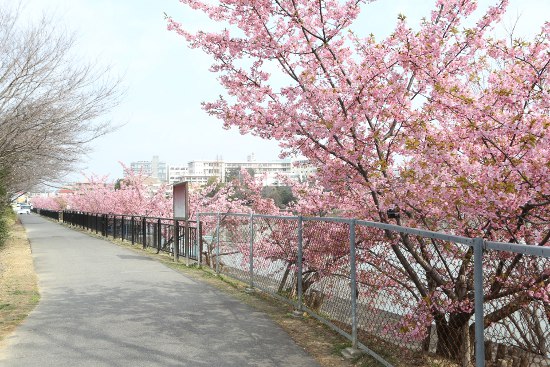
<point x="338" y="348"/>
<point x="368" y="361"/>
<point x="6" y="215"/>
<point x="229" y="281"/>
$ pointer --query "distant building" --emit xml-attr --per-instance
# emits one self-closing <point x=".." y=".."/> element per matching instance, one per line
<point x="206" y="168"/>
<point x="176" y="172"/>
<point x="302" y="170"/>
<point x="196" y="180"/>
<point x="225" y="171"/>
<point x="199" y="172"/>
<point x="153" y="168"/>
<point x="67" y="190"/>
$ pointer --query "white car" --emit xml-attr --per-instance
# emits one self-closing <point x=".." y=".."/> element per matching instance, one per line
<point x="24" y="209"/>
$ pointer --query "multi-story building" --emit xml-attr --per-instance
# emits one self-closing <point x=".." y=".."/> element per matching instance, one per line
<point x="196" y="180"/>
<point x="153" y="168"/>
<point x="225" y="171"/>
<point x="200" y="172"/>
<point x="176" y="173"/>
<point x="206" y="168"/>
<point x="302" y="169"/>
<point x="283" y="166"/>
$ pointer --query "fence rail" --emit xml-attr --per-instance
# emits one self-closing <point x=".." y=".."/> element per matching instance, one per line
<point x="176" y="237"/>
<point x="405" y="296"/>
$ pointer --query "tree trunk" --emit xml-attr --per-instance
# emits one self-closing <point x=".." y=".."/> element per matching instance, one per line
<point x="285" y="277"/>
<point x="453" y="338"/>
<point x="427" y="340"/>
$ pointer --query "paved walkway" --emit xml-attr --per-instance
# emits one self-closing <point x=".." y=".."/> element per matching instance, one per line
<point x="102" y="305"/>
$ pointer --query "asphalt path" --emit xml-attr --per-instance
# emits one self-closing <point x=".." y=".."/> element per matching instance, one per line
<point x="103" y="305"/>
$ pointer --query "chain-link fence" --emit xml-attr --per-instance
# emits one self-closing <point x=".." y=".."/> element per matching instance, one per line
<point x="405" y="296"/>
<point x="517" y="304"/>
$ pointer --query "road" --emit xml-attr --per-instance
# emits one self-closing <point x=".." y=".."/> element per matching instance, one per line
<point x="103" y="305"/>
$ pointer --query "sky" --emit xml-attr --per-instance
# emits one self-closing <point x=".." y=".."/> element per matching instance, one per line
<point x="165" y="81"/>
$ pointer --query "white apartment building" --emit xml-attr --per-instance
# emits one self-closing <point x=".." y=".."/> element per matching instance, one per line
<point x="225" y="170"/>
<point x="196" y="180"/>
<point x="153" y="168"/>
<point x="207" y="168"/>
<point x="302" y="169"/>
<point x="199" y="172"/>
<point x="176" y="172"/>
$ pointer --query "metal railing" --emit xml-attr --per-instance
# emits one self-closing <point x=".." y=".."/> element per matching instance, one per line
<point x="405" y="296"/>
<point x="47" y="213"/>
<point x="176" y="237"/>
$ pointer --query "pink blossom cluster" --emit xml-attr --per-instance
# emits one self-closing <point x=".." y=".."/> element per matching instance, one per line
<point x="441" y="120"/>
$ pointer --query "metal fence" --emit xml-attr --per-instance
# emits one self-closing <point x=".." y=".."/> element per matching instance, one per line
<point x="405" y="296"/>
<point x="159" y="233"/>
<point x="47" y="213"/>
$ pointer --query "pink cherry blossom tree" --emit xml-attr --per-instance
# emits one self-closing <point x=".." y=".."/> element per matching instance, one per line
<point x="444" y="122"/>
<point x="132" y="196"/>
<point x="213" y="198"/>
<point x="241" y="195"/>
<point x="55" y="203"/>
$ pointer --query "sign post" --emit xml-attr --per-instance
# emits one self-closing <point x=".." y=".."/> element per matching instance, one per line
<point x="180" y="195"/>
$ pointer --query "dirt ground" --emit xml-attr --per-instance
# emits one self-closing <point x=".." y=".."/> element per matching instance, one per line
<point x="18" y="284"/>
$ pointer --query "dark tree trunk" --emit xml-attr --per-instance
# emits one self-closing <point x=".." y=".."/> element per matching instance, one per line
<point x="285" y="277"/>
<point x="453" y="337"/>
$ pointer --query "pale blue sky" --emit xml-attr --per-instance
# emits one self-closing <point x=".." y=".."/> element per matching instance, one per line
<point x="166" y="81"/>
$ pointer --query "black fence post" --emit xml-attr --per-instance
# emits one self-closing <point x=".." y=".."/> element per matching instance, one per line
<point x="159" y="235"/>
<point x="144" y="232"/>
<point x="186" y="248"/>
<point x="105" y="223"/>
<point x="114" y="227"/>
<point x="176" y="240"/>
<point x="122" y="227"/>
<point x="132" y="224"/>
